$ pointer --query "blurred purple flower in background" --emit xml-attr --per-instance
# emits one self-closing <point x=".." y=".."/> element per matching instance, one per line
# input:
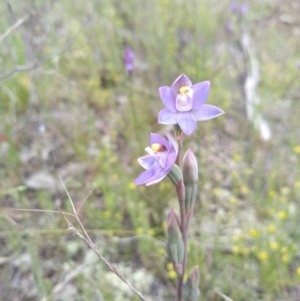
<point x="243" y="9"/>
<point x="229" y="26"/>
<point x="128" y="59"/>
<point x="185" y="104"/>
<point x="238" y="8"/>
<point x="234" y="7"/>
<point x="162" y="154"/>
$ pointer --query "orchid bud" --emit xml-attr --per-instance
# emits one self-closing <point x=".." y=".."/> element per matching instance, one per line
<point x="190" y="290"/>
<point x="174" y="245"/>
<point x="190" y="179"/>
<point x="190" y="167"/>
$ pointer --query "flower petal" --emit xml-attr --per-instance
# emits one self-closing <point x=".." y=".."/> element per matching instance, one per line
<point x="166" y="116"/>
<point x="146" y="162"/>
<point x="156" y="138"/>
<point x="207" y="112"/>
<point x="181" y="81"/>
<point x="187" y="122"/>
<point x="159" y="176"/>
<point x="201" y="91"/>
<point x="151" y="176"/>
<point x="167" y="97"/>
<point x="173" y="143"/>
<point x="170" y="161"/>
<point x="145" y="176"/>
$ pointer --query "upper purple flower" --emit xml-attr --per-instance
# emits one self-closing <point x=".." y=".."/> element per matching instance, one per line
<point x="185" y="104"/>
<point x="162" y="154"/>
<point x="128" y="59"/>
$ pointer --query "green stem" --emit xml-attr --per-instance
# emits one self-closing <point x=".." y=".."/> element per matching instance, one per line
<point x="184" y="233"/>
<point x="183" y="220"/>
<point x="179" y="137"/>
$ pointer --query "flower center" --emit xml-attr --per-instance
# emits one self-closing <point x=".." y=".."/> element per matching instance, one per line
<point x="159" y="152"/>
<point x="184" y="99"/>
<point x="156" y="147"/>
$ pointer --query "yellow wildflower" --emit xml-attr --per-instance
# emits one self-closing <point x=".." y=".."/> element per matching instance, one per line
<point x="296" y="149"/>
<point x="272" y="228"/>
<point x="172" y="274"/>
<point x="131" y="186"/>
<point x="114" y="177"/>
<point x="237" y="157"/>
<point x="170" y="270"/>
<point x="272" y="193"/>
<point x="285" y="258"/>
<point x="235" y="249"/>
<point x="285" y="190"/>
<point x="139" y="231"/>
<point x="233" y="200"/>
<point x="151" y="232"/>
<point x="297" y="184"/>
<point x="107" y="214"/>
<point x="273" y="245"/>
<point x="282" y="214"/>
<point x="244" y="189"/>
<point x="253" y="232"/>
<point x="262" y="256"/>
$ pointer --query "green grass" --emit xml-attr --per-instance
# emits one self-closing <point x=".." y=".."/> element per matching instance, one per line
<point x="245" y="235"/>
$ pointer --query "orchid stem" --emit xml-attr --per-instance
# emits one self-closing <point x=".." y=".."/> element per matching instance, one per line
<point x="183" y="220"/>
<point x="184" y="233"/>
<point x="179" y="138"/>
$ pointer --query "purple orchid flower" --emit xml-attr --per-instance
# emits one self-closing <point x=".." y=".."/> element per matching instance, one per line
<point x="128" y="59"/>
<point x="162" y="154"/>
<point x="185" y="104"/>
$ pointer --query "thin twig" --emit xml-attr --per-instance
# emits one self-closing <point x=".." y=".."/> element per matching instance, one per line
<point x="84" y="201"/>
<point x="13" y="27"/>
<point x="69" y="197"/>
<point x="223" y="296"/>
<point x="42" y="210"/>
<point x="86" y="238"/>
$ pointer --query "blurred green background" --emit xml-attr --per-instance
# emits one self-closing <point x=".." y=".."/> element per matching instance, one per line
<point x="68" y="109"/>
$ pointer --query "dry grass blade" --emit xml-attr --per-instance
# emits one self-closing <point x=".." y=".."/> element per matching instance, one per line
<point x="223" y="296"/>
<point x="86" y="238"/>
<point x="13" y="27"/>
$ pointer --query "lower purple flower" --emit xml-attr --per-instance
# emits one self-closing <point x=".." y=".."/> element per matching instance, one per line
<point x="162" y="155"/>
